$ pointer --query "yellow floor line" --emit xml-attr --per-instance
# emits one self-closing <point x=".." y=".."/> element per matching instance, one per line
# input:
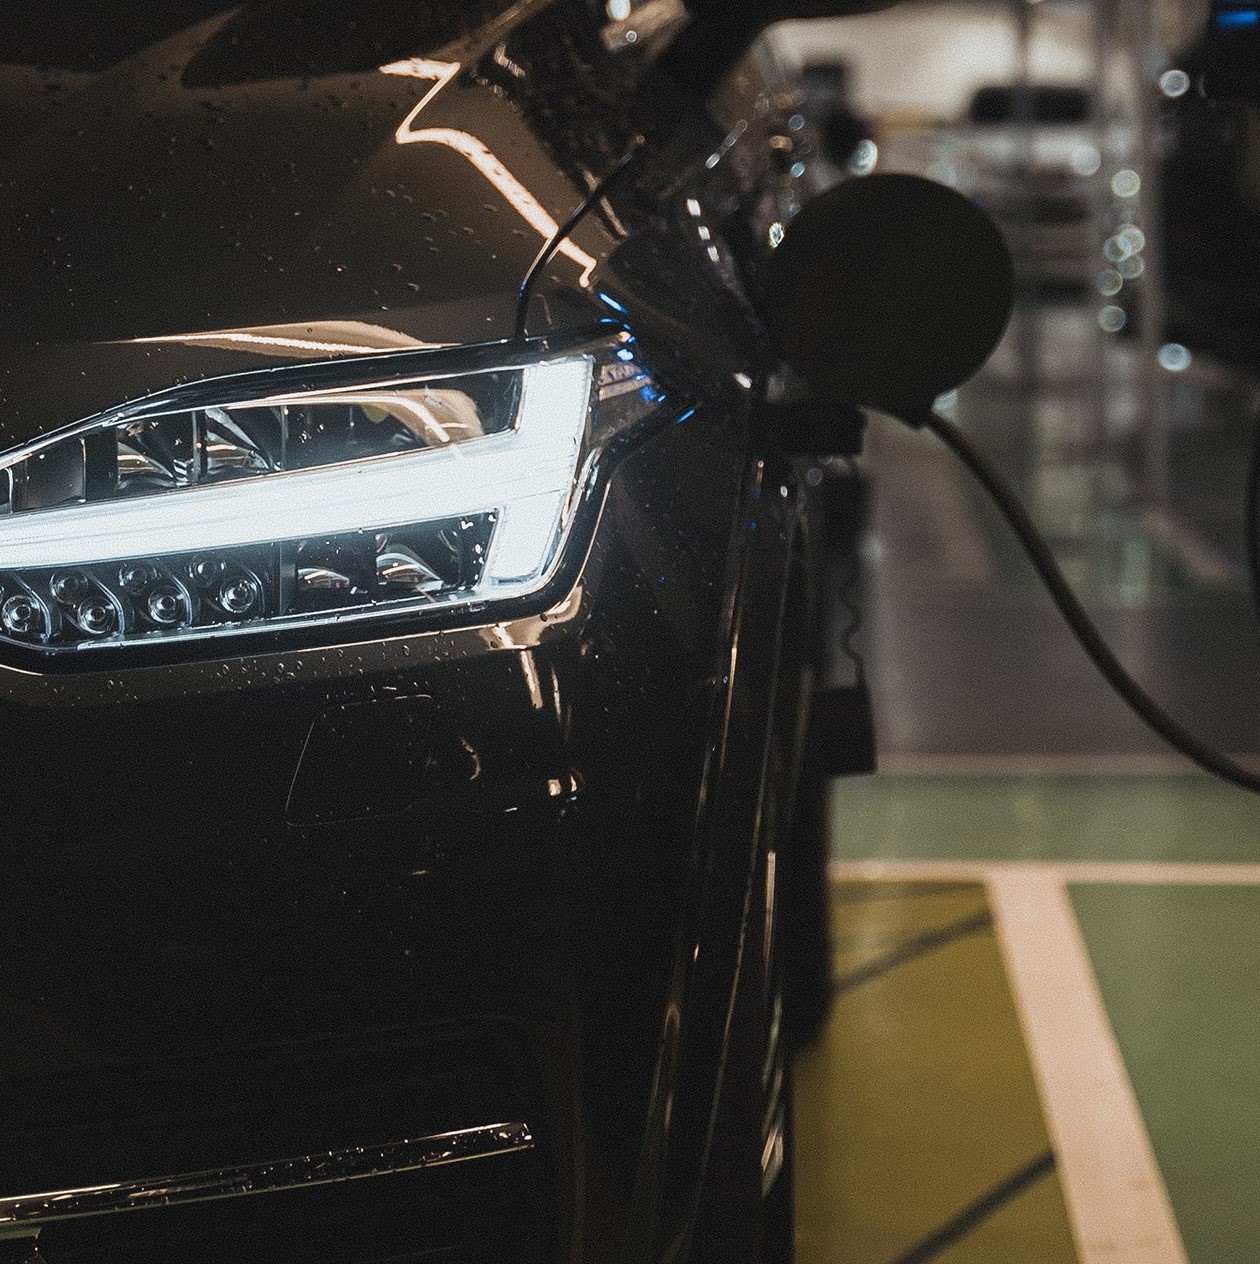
<point x="1116" y="1198"/>
<point x="919" y="1131"/>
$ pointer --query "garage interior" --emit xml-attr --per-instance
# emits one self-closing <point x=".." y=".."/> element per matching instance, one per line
<point x="1044" y="1043"/>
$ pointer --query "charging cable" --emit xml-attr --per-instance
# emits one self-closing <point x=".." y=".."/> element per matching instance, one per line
<point x="1071" y="609"/>
<point x="1251" y="515"/>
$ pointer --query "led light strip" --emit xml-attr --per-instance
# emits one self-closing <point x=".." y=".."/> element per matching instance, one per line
<point x="536" y="460"/>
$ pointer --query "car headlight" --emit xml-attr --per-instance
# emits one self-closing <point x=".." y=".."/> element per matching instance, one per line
<point x="198" y="516"/>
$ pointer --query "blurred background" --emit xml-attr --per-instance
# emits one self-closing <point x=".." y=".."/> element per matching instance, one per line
<point x="1045" y="1043"/>
<point x="1123" y="401"/>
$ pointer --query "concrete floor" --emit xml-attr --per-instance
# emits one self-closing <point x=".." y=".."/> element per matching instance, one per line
<point x="1062" y="1058"/>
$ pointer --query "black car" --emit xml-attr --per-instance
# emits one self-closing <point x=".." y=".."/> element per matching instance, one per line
<point x="405" y="638"/>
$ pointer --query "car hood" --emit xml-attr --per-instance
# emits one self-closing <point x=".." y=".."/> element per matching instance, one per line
<point x="158" y="227"/>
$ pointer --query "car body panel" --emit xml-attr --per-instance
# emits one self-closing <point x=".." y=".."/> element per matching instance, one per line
<point x="159" y="230"/>
<point x="305" y="895"/>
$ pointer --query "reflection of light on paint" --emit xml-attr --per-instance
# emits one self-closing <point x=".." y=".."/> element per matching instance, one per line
<point x="1174" y="357"/>
<point x="229" y="336"/>
<point x="529" y="673"/>
<point x="1174" y="83"/>
<point x="693" y="208"/>
<point x="776" y="233"/>
<point x="501" y="58"/>
<point x="526" y="205"/>
<point x="267" y="338"/>
<point x="441" y="72"/>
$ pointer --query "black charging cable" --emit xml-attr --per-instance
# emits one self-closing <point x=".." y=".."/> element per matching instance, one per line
<point x="1082" y="626"/>
<point x="1251" y="519"/>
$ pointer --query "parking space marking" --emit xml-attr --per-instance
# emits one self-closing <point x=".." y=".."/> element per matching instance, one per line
<point x="920" y="1131"/>
<point x="1067" y="872"/>
<point x="1108" y="764"/>
<point x="1117" y="1201"/>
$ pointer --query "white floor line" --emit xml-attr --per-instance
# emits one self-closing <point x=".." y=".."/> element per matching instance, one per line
<point x="1115" y="1195"/>
<point x="1070" y="872"/>
<point x="1116" y="1199"/>
<point x="1137" y="764"/>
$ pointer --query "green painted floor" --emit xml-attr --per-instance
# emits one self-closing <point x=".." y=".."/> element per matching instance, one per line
<point x="1043" y="817"/>
<point x="919" y="1095"/>
<point x="1179" y="969"/>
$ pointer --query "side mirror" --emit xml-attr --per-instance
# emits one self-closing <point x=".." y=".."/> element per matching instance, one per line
<point x="888" y="291"/>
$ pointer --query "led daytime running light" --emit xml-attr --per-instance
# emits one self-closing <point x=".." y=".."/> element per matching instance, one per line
<point x="536" y="459"/>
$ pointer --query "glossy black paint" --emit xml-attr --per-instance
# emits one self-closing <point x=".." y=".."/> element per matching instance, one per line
<point x="296" y="217"/>
<point x="317" y="894"/>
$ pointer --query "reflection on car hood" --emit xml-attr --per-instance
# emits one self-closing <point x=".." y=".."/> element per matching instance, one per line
<point x="155" y="230"/>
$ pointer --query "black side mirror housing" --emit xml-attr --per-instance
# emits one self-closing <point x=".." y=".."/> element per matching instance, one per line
<point x="887" y="292"/>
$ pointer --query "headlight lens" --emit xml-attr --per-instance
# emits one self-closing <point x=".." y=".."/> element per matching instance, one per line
<point x="308" y="506"/>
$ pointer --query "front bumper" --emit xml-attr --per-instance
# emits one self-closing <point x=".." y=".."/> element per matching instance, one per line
<point x="480" y="928"/>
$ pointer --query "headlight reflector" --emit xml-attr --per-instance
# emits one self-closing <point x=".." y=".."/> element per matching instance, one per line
<point x="300" y="507"/>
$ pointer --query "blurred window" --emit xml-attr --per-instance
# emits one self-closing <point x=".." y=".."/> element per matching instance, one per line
<point x="1042" y="103"/>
